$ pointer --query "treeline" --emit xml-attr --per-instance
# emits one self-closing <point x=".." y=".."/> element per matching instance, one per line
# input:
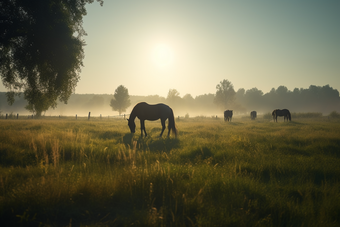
<point x="318" y="99"/>
<point x="99" y="104"/>
<point x="314" y="99"/>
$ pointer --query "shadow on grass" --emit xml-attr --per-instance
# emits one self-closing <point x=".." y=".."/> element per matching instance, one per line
<point x="127" y="139"/>
<point x="296" y="123"/>
<point x="198" y="154"/>
<point x="110" y="134"/>
<point x="149" y="143"/>
<point x="159" y="144"/>
<point x="235" y="123"/>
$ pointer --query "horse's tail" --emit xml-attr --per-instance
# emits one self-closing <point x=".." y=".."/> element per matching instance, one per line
<point x="172" y="125"/>
<point x="289" y="116"/>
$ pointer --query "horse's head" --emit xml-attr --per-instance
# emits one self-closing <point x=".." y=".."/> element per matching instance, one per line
<point x="132" y="125"/>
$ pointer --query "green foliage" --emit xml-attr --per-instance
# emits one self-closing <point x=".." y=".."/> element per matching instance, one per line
<point x="41" y="50"/>
<point x="173" y="98"/>
<point x="225" y="94"/>
<point x="241" y="173"/>
<point x="121" y="99"/>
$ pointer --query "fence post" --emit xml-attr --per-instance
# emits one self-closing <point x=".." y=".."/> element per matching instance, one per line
<point x="17" y="116"/>
<point x="100" y="116"/>
<point x="76" y="116"/>
<point x="6" y="116"/>
<point x="89" y="116"/>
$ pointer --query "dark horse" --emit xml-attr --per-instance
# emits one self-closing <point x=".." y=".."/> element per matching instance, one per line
<point x="145" y="111"/>
<point x="281" y="113"/>
<point x="228" y="114"/>
<point x="253" y="115"/>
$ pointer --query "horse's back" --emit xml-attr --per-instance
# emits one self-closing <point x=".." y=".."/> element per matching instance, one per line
<point x="151" y="112"/>
<point x="228" y="113"/>
<point x="282" y="113"/>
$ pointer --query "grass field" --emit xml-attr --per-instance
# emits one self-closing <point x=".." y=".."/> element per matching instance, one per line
<point x="67" y="172"/>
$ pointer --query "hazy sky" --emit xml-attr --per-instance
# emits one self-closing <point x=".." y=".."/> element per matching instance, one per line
<point x="192" y="45"/>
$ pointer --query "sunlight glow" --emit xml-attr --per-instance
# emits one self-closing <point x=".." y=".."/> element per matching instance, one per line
<point x="163" y="56"/>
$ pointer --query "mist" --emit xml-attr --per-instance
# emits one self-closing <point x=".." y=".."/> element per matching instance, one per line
<point x="314" y="99"/>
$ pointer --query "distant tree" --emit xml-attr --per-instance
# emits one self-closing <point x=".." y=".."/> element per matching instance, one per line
<point x="225" y="94"/>
<point x="188" y="98"/>
<point x="253" y="98"/>
<point x="154" y="99"/>
<point x="173" y="97"/>
<point x="240" y="98"/>
<point x="205" y="100"/>
<point x="121" y="99"/>
<point x="41" y="50"/>
<point x="173" y="94"/>
<point x="241" y="92"/>
<point x="205" y="104"/>
<point x="282" y="90"/>
<point x="96" y="102"/>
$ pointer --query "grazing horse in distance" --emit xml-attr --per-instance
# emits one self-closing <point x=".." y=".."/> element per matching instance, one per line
<point x="148" y="112"/>
<point x="228" y="114"/>
<point x="281" y="113"/>
<point x="253" y="115"/>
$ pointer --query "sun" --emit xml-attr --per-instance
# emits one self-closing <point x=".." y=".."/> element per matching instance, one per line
<point x="163" y="55"/>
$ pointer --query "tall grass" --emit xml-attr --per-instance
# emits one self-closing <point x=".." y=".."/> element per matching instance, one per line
<point x="242" y="173"/>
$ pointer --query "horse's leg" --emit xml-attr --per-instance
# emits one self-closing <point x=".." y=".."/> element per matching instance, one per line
<point x="169" y="127"/>
<point x="163" y="127"/>
<point x="142" y="127"/>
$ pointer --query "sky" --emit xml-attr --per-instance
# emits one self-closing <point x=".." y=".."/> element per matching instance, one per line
<point x="153" y="46"/>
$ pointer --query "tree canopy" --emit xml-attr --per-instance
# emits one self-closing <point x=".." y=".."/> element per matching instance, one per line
<point x="225" y="94"/>
<point x="41" y="49"/>
<point x="121" y="100"/>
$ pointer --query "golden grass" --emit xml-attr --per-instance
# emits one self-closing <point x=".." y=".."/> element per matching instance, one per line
<point x="58" y="172"/>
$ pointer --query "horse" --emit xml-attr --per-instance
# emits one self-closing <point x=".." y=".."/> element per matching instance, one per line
<point x="228" y="114"/>
<point x="253" y="115"/>
<point x="279" y="113"/>
<point x="145" y="111"/>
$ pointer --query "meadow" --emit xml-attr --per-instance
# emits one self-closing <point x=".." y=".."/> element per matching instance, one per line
<point x="68" y="172"/>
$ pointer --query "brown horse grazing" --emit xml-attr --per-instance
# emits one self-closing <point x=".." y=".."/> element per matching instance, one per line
<point x="228" y="114"/>
<point x="253" y="115"/>
<point x="145" y="111"/>
<point x="281" y="113"/>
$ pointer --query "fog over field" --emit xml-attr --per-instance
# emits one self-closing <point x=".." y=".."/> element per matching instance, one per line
<point x="318" y="99"/>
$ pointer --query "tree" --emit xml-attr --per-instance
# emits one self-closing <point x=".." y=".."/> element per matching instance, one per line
<point x="240" y="99"/>
<point x="253" y="98"/>
<point x="173" y="97"/>
<point x="188" y="98"/>
<point x="173" y="94"/>
<point x="41" y="50"/>
<point x="225" y="94"/>
<point x="121" y="99"/>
